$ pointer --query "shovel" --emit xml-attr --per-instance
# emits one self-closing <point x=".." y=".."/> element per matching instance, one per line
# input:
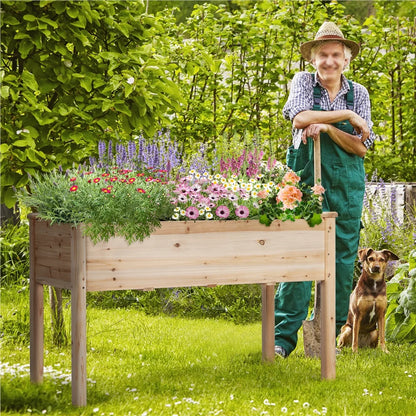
<point x="312" y="327"/>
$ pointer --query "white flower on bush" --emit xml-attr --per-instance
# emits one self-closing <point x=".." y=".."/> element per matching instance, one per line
<point x="130" y="80"/>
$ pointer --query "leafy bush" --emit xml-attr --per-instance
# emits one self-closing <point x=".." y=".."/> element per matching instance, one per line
<point x="14" y="266"/>
<point x="401" y="312"/>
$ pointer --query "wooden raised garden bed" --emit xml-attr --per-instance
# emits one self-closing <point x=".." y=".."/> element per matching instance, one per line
<point x="180" y="254"/>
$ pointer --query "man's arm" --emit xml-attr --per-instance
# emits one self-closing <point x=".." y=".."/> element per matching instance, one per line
<point x="349" y="142"/>
<point x="308" y="117"/>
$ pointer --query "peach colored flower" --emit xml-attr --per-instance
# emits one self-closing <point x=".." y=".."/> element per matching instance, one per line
<point x="318" y="189"/>
<point x="291" y="177"/>
<point x="290" y="196"/>
<point x="262" y="194"/>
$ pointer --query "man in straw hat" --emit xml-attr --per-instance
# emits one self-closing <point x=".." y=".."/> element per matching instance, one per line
<point x="325" y="104"/>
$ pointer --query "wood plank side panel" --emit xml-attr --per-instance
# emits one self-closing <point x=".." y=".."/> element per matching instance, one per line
<point x="52" y="245"/>
<point x="210" y="258"/>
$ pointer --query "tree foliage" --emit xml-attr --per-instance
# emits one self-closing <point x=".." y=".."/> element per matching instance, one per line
<point x="73" y="73"/>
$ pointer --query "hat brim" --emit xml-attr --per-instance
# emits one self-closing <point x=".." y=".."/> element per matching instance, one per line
<point x="305" y="48"/>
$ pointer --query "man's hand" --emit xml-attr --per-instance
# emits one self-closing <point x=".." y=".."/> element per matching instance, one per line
<point x="360" y="125"/>
<point x="313" y="131"/>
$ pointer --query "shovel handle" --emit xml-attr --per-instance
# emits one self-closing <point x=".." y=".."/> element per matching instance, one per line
<point x="317" y="179"/>
<point x="317" y="160"/>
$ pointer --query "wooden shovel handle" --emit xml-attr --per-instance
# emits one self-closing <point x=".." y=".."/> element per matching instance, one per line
<point x="317" y="160"/>
<point x="317" y="179"/>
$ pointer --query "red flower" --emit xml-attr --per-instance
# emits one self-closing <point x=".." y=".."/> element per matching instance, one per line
<point x="140" y="174"/>
<point x="96" y="180"/>
<point x="73" y="188"/>
<point x="149" y="179"/>
<point x="141" y="190"/>
<point x="131" y="180"/>
<point x="106" y="190"/>
<point x="73" y="179"/>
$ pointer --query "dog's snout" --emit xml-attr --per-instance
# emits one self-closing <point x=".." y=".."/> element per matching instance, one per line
<point x="375" y="268"/>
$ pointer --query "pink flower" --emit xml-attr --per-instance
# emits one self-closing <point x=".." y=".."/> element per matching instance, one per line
<point x="290" y="196"/>
<point x="291" y="177"/>
<point x="242" y="211"/>
<point x="318" y="189"/>
<point x="222" y="211"/>
<point x="192" y="213"/>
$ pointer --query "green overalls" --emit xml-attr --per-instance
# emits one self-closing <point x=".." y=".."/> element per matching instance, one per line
<point x="343" y="179"/>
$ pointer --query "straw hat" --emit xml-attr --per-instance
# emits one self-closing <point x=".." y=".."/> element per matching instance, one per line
<point x="328" y="31"/>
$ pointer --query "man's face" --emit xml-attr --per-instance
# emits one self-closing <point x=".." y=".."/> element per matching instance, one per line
<point x="330" y="61"/>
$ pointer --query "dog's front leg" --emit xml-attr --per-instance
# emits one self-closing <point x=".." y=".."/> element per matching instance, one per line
<point x="355" y="331"/>
<point x="381" y="323"/>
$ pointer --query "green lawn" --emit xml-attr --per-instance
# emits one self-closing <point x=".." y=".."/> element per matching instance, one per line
<point x="141" y="365"/>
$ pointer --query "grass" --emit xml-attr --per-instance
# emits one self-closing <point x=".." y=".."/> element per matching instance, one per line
<point x="141" y="365"/>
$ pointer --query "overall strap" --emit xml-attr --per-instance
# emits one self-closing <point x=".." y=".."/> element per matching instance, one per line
<point x="350" y="96"/>
<point x="317" y="96"/>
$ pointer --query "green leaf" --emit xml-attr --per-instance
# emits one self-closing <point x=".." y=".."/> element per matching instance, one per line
<point x="4" y="148"/>
<point x="8" y="197"/>
<point x="30" y="80"/>
<point x="27" y="142"/>
<point x="72" y="12"/>
<point x="264" y="219"/>
<point x="29" y="18"/>
<point x="4" y="91"/>
<point x="25" y="46"/>
<point x="123" y="108"/>
<point x="86" y="83"/>
<point x="315" y="219"/>
<point x="10" y="20"/>
<point x="50" y="22"/>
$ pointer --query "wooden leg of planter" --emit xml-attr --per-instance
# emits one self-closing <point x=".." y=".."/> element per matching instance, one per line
<point x="79" y="321"/>
<point x="268" y="322"/>
<point x="328" y="338"/>
<point x="36" y="332"/>
<point x="36" y="313"/>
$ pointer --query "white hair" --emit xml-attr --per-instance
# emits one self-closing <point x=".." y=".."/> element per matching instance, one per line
<point x="318" y="45"/>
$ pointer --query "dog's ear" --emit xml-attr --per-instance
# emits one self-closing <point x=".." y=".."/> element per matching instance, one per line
<point x="364" y="253"/>
<point x="389" y="255"/>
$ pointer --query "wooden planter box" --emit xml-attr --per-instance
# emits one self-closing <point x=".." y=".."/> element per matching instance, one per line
<point x="180" y="254"/>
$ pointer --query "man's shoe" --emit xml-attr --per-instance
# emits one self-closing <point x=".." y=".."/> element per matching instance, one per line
<point x="280" y="351"/>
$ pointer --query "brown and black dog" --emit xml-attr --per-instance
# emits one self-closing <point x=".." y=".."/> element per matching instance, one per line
<point x="365" y="324"/>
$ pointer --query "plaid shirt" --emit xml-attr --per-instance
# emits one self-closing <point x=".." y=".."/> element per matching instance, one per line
<point x="301" y="99"/>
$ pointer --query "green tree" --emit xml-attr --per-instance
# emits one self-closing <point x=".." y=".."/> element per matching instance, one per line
<point x="234" y="68"/>
<point x="387" y="67"/>
<point x="73" y="73"/>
